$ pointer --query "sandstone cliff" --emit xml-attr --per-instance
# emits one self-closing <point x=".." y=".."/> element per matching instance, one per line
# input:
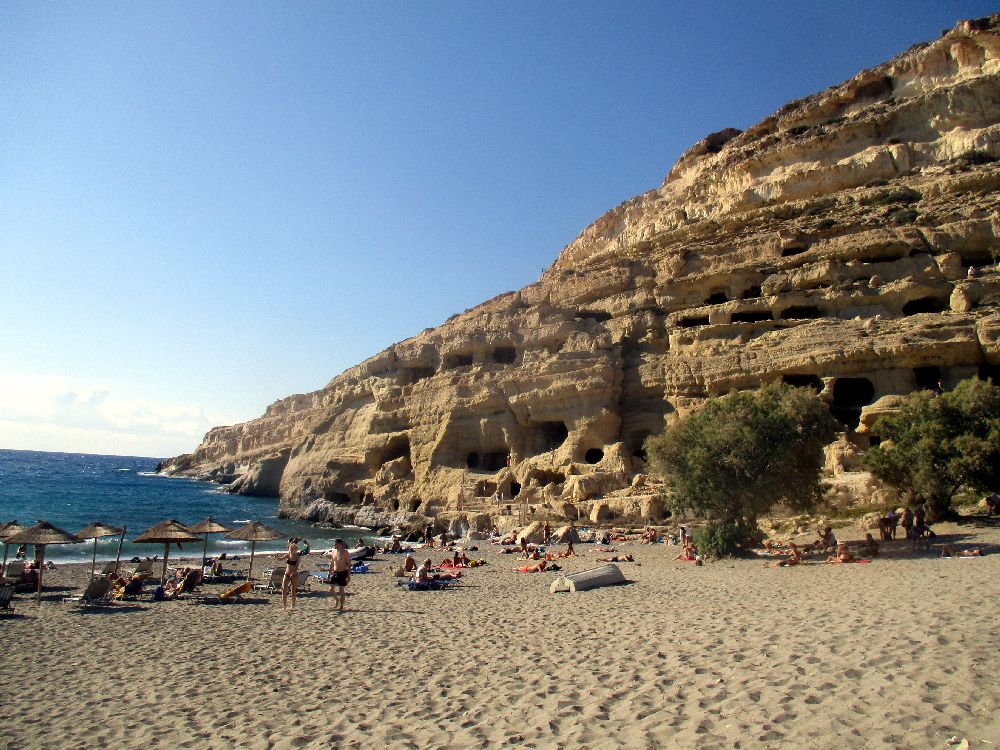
<point x="829" y="245"/>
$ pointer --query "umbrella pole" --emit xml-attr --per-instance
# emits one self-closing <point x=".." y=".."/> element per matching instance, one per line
<point x="204" y="551"/>
<point x="118" y="557"/>
<point x="93" y="561"/>
<point x="3" y="568"/>
<point x="166" y="554"/>
<point x="253" y="546"/>
<point x="41" y="569"/>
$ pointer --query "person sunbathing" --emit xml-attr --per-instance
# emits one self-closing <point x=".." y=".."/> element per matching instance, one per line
<point x="410" y="565"/>
<point x="648" y="536"/>
<point x="949" y="551"/>
<point x="794" y="558"/>
<point x="538" y="567"/>
<point x="617" y="558"/>
<point x="843" y="554"/>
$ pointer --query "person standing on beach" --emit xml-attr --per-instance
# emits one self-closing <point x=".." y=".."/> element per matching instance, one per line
<point x="340" y="572"/>
<point x="291" y="578"/>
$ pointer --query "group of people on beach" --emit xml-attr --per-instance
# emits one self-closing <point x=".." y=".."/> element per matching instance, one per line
<point x="338" y="576"/>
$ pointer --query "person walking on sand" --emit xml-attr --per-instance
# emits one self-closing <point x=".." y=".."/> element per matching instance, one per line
<point x="291" y="578"/>
<point x="340" y="572"/>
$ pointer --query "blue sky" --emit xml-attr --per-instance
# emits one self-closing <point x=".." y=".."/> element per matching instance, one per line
<point x="208" y="206"/>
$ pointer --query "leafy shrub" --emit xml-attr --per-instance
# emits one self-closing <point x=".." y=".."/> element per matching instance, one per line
<point x="721" y="539"/>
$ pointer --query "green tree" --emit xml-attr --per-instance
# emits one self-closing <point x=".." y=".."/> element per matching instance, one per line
<point x="740" y="454"/>
<point x="936" y="445"/>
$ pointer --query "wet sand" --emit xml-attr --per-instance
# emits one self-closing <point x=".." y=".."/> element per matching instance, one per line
<point x="902" y="652"/>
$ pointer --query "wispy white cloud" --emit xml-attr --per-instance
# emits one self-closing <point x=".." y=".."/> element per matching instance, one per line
<point x="53" y="412"/>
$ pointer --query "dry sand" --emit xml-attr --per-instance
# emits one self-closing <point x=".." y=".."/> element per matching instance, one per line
<point x="899" y="653"/>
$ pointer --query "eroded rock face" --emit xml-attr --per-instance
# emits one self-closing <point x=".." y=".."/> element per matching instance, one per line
<point x="830" y="246"/>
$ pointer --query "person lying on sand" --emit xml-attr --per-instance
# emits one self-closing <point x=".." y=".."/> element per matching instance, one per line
<point x="617" y="558"/>
<point x="843" y="554"/>
<point x="949" y="551"/>
<point x="424" y="573"/>
<point x="538" y="567"/>
<point x="794" y="558"/>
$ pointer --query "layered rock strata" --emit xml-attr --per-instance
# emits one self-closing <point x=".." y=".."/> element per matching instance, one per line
<point x="847" y="243"/>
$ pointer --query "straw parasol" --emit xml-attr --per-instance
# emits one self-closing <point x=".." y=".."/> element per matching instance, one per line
<point x="95" y="530"/>
<point x="254" y="532"/>
<point x="41" y="534"/>
<point x="166" y="533"/>
<point x="8" y="529"/>
<point x="206" y="527"/>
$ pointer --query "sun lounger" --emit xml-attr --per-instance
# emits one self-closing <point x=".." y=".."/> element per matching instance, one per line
<point x="6" y="594"/>
<point x="13" y="572"/>
<point x="109" y="568"/>
<point x="228" y="596"/>
<point x="97" y="594"/>
<point x="144" y="569"/>
<point x="272" y="580"/>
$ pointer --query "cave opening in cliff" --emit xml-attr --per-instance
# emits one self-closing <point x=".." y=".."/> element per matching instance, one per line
<point x="485" y="489"/>
<point x="504" y="355"/>
<point x="752" y="292"/>
<point x="414" y="504"/>
<point x="398" y="447"/>
<point x="849" y="395"/>
<point x="751" y="316"/>
<point x="989" y="372"/>
<point x="515" y="489"/>
<point x="544" y="477"/>
<point x="925" y="305"/>
<point x="411" y="375"/>
<point x="458" y="360"/>
<point x="795" y="248"/>
<point x="598" y="316"/>
<point x="636" y="444"/>
<point x="554" y="434"/>
<point x="801" y="312"/>
<point x="926" y="378"/>
<point x="693" y="322"/>
<point x="716" y="298"/>
<point x="394" y="504"/>
<point x="976" y="257"/>
<point x="491" y="461"/>
<point x="593" y="455"/>
<point x="803" y="381"/>
<point x="337" y="498"/>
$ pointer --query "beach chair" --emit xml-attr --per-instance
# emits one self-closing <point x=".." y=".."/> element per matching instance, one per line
<point x="109" y="568"/>
<point x="144" y="569"/>
<point x="14" y="570"/>
<point x="6" y="594"/>
<point x="272" y="580"/>
<point x="305" y="580"/>
<point x="97" y="594"/>
<point x="229" y="596"/>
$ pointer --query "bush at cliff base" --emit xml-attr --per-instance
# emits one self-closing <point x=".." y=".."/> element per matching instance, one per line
<point x="739" y="455"/>
<point x="720" y="539"/>
<point x="937" y="445"/>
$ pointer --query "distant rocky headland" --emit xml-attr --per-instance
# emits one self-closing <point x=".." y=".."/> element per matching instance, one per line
<point x="848" y="243"/>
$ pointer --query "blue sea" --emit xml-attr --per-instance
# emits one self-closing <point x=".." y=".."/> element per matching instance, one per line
<point x="72" y="490"/>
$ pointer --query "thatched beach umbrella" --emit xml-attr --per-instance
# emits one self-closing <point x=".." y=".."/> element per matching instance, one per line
<point x="254" y="532"/>
<point x="8" y="529"/>
<point x="166" y="533"/>
<point x="206" y="527"/>
<point x="41" y="534"/>
<point x="95" y="530"/>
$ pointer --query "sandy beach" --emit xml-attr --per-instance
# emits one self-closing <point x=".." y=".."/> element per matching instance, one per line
<point x="901" y="653"/>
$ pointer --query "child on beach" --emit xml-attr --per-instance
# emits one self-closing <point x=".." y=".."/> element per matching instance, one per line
<point x="794" y="558"/>
<point x="340" y="572"/>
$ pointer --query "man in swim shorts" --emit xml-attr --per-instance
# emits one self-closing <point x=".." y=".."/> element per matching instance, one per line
<point x="340" y="572"/>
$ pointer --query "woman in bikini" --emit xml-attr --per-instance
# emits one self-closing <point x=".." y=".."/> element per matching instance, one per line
<point x="291" y="577"/>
